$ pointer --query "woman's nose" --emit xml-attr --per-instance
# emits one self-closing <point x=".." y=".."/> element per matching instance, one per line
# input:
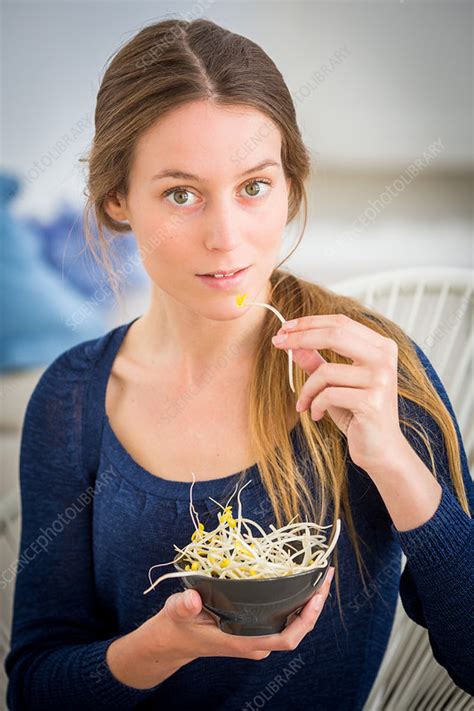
<point x="223" y="230"/>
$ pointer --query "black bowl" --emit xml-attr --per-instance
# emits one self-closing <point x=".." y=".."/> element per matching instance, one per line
<point x="255" y="606"/>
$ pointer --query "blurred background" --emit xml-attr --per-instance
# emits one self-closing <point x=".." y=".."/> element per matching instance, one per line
<point x="383" y="94"/>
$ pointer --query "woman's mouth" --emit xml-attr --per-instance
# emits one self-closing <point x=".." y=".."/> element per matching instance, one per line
<point x="224" y="282"/>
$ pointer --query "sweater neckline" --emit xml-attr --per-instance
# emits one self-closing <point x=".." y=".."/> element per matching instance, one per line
<point x="143" y="479"/>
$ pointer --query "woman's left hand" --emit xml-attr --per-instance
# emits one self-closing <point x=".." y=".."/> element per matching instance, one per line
<point x="360" y="397"/>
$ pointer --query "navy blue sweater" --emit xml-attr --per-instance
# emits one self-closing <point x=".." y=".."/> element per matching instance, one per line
<point x="90" y="534"/>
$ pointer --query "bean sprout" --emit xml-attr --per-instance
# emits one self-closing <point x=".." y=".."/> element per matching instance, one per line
<point x="239" y="300"/>
<point x="228" y="552"/>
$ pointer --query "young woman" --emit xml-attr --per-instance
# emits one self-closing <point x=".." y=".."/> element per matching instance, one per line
<point x="197" y="150"/>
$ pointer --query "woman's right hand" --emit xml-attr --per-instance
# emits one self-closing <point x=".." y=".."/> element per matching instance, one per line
<point x="185" y="631"/>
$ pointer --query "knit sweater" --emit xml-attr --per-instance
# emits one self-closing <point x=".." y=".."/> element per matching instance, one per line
<point x="90" y="534"/>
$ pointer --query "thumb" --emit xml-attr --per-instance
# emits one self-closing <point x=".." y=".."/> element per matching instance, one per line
<point x="184" y="605"/>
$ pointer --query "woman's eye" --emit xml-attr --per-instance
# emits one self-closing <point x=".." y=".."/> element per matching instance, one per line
<point x="253" y="184"/>
<point x="180" y="193"/>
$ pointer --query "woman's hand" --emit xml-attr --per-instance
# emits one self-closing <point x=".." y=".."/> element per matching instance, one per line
<point x="361" y="397"/>
<point x="183" y="630"/>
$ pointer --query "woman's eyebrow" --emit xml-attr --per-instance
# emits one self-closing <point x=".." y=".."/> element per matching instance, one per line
<point x="173" y="173"/>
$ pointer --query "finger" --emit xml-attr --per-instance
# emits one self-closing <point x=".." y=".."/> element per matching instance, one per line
<point x="337" y="339"/>
<point x="332" y="374"/>
<point x="315" y="604"/>
<point x="184" y="605"/>
<point x="224" y="644"/>
<point x="353" y="399"/>
<point x="308" y="360"/>
<point x="335" y="320"/>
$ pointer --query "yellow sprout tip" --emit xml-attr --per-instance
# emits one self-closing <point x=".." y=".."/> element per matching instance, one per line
<point x="240" y="298"/>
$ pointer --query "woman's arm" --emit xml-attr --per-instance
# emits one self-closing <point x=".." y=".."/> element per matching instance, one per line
<point x="408" y="488"/>
<point x="59" y="634"/>
<point x="437" y="538"/>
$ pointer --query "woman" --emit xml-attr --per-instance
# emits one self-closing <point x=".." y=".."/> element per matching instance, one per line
<point x="197" y="150"/>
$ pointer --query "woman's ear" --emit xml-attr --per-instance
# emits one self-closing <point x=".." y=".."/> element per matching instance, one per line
<point x="116" y="207"/>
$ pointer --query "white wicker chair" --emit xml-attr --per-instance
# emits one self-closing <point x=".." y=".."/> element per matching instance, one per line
<point x="15" y="390"/>
<point x="434" y="306"/>
<point x="9" y="537"/>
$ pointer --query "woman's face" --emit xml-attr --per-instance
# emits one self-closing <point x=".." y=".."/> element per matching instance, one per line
<point x="229" y="214"/>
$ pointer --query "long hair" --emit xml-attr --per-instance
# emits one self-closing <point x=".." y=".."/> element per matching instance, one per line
<point x="171" y="63"/>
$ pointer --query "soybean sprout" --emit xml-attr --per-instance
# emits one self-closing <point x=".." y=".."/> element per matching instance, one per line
<point x="239" y="300"/>
<point x="232" y="551"/>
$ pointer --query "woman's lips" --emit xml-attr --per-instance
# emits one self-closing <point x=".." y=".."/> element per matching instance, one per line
<point x="225" y="282"/>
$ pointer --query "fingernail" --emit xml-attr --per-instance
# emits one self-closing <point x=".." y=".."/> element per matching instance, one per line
<point x="298" y="406"/>
<point x="279" y="339"/>
<point x="189" y="599"/>
<point x="290" y="324"/>
<point x="330" y="575"/>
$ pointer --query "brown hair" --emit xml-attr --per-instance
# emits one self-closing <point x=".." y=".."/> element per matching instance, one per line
<point x="166" y="65"/>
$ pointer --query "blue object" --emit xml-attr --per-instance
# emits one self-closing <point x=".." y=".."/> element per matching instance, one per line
<point x="41" y="315"/>
<point x="63" y="246"/>
<point x="94" y="521"/>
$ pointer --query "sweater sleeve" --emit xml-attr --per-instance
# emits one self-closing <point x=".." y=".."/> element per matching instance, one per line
<point x="59" y="635"/>
<point x="437" y="583"/>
